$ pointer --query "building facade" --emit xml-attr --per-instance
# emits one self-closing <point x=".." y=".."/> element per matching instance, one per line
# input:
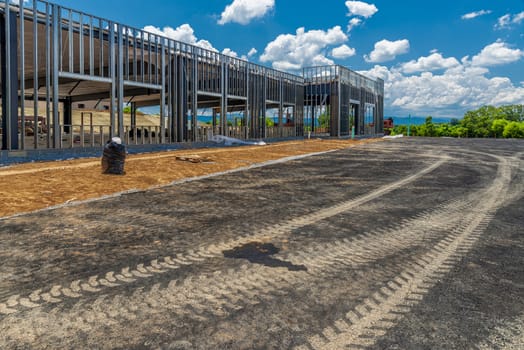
<point x="60" y="65"/>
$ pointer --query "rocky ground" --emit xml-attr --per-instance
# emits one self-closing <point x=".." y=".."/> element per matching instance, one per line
<point x="403" y="244"/>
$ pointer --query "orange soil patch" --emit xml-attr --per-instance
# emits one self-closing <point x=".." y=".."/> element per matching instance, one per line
<point x="33" y="186"/>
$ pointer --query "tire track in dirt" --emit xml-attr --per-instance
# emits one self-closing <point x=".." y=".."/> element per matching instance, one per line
<point x="220" y="293"/>
<point x="377" y="314"/>
<point x="96" y="284"/>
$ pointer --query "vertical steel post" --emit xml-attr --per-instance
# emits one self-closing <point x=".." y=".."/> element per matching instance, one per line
<point x="247" y="121"/>
<point x="120" y="83"/>
<point x="170" y="100"/>
<point x="71" y="43"/>
<point x="35" y="73"/>
<point x="91" y="48"/>
<point x="114" y="83"/>
<point x="81" y="44"/>
<point x="281" y="108"/>
<point x="162" y="92"/>
<point x="264" y="100"/>
<point x="9" y="79"/>
<point x="133" y="115"/>
<point x="223" y="96"/>
<point x="194" y="94"/>
<point x="57" y="137"/>
<point x="67" y="114"/>
<point x="22" y="75"/>
<point x="48" y="72"/>
<point x="339" y="100"/>
<point x="181" y="96"/>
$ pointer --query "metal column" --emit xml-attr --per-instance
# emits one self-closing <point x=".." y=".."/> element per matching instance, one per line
<point x="57" y="57"/>
<point x="114" y="82"/>
<point x="162" y="94"/>
<point x="120" y="86"/>
<point x="339" y="103"/>
<point x="281" y="108"/>
<point x="194" y="96"/>
<point x="181" y="101"/>
<point x="9" y="79"/>
<point x="223" y="98"/>
<point x="68" y="114"/>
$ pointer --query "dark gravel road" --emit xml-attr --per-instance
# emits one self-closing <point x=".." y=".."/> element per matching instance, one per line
<point x="405" y="244"/>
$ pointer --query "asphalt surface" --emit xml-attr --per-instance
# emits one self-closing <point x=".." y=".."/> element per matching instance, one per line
<point x="405" y="244"/>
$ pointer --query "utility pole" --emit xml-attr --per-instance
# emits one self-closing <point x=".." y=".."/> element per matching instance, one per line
<point x="409" y="125"/>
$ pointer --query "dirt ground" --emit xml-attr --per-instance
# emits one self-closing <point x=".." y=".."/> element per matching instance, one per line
<point x="34" y="186"/>
<point x="414" y="243"/>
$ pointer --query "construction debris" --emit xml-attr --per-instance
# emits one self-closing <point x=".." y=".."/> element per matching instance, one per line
<point x="194" y="159"/>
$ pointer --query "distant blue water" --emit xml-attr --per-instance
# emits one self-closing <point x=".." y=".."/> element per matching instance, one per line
<point x="417" y="120"/>
<point x="396" y="120"/>
<point x="208" y="119"/>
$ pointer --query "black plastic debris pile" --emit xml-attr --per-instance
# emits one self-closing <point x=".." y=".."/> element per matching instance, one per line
<point x="114" y="157"/>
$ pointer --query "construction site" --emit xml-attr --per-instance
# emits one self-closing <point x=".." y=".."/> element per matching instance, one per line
<point x="317" y="235"/>
<point x="73" y="80"/>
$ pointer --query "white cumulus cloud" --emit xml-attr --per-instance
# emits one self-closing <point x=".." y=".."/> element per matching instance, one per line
<point x="519" y="17"/>
<point x="252" y="52"/>
<point x="354" y="22"/>
<point x="457" y="90"/>
<point x="475" y="14"/>
<point x="183" y="33"/>
<point x="227" y="51"/>
<point x="508" y="20"/>
<point x="412" y="87"/>
<point x="358" y="11"/>
<point x="243" y="11"/>
<point x="360" y="8"/>
<point x="496" y="54"/>
<point x="343" y="51"/>
<point x="386" y="50"/>
<point x="291" y="52"/>
<point x="433" y="62"/>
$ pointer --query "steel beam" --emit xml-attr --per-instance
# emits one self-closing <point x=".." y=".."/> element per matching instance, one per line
<point x="56" y="59"/>
<point x="35" y="73"/>
<point x="120" y="83"/>
<point x="68" y="114"/>
<point x="8" y="43"/>
<point x="162" y="93"/>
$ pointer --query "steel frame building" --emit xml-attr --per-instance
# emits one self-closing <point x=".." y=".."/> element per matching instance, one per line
<point x="55" y="57"/>
<point x="339" y="102"/>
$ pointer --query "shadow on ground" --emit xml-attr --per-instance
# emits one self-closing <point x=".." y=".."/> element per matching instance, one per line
<point x="260" y="253"/>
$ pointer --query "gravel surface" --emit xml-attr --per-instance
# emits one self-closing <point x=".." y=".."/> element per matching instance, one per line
<point x="406" y="244"/>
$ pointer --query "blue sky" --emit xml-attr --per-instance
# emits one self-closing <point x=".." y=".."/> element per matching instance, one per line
<point x="438" y="58"/>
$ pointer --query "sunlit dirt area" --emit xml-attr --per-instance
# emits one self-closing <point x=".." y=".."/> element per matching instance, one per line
<point x="33" y="186"/>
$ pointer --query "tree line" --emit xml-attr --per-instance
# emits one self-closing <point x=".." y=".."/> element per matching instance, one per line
<point x="487" y="121"/>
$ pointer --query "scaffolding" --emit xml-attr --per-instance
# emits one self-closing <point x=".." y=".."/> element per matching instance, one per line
<point x="340" y="102"/>
<point x="56" y="60"/>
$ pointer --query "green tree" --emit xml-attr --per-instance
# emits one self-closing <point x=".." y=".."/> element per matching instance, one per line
<point x="498" y="126"/>
<point x="324" y="119"/>
<point x="429" y="127"/>
<point x="459" y="131"/>
<point x="443" y="130"/>
<point x="454" y="122"/>
<point x="478" y="122"/>
<point x="270" y="122"/>
<point x="513" y="112"/>
<point x="399" y="130"/>
<point x="514" y="130"/>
